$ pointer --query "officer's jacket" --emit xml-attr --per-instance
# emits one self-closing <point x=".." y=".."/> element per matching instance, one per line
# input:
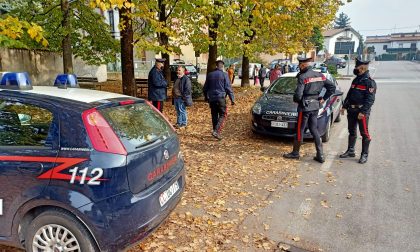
<point x="217" y="85"/>
<point x="156" y="85"/>
<point x="362" y="92"/>
<point x="309" y="86"/>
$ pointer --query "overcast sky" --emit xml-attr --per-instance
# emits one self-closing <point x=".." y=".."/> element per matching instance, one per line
<point x="380" y="17"/>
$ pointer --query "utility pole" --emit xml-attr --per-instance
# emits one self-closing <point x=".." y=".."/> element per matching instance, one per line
<point x="66" y="42"/>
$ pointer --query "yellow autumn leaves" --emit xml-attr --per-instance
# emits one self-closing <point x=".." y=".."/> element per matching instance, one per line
<point x="13" y="28"/>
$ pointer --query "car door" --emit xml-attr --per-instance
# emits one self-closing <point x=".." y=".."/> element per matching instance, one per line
<point x="29" y="143"/>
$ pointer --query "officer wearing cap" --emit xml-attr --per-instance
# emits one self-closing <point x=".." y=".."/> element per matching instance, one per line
<point x="215" y="89"/>
<point x="157" y="85"/>
<point x="309" y="86"/>
<point x="358" y="104"/>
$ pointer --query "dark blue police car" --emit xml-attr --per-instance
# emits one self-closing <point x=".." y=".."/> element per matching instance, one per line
<point x="82" y="170"/>
<point x="275" y="113"/>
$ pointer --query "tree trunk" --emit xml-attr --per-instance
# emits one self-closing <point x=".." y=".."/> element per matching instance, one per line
<point x="164" y="42"/>
<point x="213" y="26"/>
<point x="245" y="71"/>
<point x="127" y="53"/>
<point x="66" y="42"/>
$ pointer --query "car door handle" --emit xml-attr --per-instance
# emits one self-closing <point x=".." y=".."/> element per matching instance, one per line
<point x="31" y="168"/>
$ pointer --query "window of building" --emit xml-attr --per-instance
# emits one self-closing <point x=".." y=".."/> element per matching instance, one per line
<point x="111" y="20"/>
<point x="344" y="47"/>
<point x="413" y="45"/>
<point x="400" y="45"/>
<point x="25" y="125"/>
<point x="385" y="47"/>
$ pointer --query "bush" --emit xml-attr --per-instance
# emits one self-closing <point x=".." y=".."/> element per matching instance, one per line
<point x="197" y="89"/>
<point x="332" y="69"/>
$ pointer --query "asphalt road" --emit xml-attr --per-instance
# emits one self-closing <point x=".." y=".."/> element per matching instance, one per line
<point x="344" y="206"/>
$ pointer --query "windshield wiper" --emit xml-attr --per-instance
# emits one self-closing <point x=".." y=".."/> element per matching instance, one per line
<point x="148" y="142"/>
<point x="282" y="93"/>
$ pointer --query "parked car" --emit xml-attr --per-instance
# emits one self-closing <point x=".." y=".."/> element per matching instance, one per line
<point x="83" y="170"/>
<point x="275" y="113"/>
<point x="335" y="61"/>
<point x="190" y="70"/>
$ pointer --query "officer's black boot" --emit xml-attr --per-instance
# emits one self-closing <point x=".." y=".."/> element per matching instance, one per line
<point x="295" y="153"/>
<point x="350" y="150"/>
<point x="365" y="151"/>
<point x="319" y="154"/>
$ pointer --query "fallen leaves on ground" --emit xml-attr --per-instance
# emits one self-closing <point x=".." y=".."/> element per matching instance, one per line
<point x="227" y="181"/>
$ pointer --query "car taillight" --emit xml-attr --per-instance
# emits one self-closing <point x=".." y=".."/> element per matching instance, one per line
<point x="166" y="119"/>
<point x="101" y="134"/>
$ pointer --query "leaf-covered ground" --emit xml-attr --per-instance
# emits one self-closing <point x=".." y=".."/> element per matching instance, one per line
<point x="227" y="181"/>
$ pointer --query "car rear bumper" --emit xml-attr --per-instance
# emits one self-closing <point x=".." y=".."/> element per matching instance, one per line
<point x="124" y="220"/>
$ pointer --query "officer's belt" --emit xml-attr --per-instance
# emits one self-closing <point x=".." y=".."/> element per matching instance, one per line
<point x="309" y="97"/>
<point x="356" y="106"/>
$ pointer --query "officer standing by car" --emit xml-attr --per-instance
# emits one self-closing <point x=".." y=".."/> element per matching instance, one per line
<point x="309" y="86"/>
<point x="215" y="89"/>
<point x="358" y="104"/>
<point x="157" y="85"/>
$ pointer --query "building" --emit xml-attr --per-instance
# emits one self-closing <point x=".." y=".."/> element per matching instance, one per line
<point x="341" y="42"/>
<point x="397" y="46"/>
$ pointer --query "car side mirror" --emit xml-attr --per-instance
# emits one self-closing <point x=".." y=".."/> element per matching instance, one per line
<point x="338" y="93"/>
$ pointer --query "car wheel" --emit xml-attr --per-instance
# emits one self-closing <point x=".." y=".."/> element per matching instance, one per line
<point x="338" y="118"/>
<point x="57" y="230"/>
<point x="326" y="137"/>
<point x="338" y="66"/>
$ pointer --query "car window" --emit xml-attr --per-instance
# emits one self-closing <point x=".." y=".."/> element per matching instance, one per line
<point x="190" y="68"/>
<point x="24" y="124"/>
<point x="137" y="125"/>
<point x="284" y="85"/>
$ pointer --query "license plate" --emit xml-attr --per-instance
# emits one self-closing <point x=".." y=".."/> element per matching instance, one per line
<point x="167" y="195"/>
<point x="279" y="124"/>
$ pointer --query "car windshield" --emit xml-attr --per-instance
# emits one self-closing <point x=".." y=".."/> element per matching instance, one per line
<point x="190" y="68"/>
<point x="284" y="85"/>
<point x="137" y="125"/>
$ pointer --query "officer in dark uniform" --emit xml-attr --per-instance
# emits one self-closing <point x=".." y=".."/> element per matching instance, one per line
<point x="310" y="84"/>
<point x="216" y="88"/>
<point x="358" y="103"/>
<point x="157" y="85"/>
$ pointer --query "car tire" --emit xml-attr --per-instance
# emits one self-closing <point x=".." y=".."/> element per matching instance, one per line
<point x="49" y="225"/>
<point x="326" y="137"/>
<point x="338" y="118"/>
<point x="338" y="66"/>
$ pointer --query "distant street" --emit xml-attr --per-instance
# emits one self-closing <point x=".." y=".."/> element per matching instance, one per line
<point x="345" y="206"/>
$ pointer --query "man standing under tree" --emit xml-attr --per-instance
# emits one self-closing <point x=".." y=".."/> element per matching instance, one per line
<point x="309" y="86"/>
<point x="157" y="85"/>
<point x="215" y="89"/>
<point x="358" y="103"/>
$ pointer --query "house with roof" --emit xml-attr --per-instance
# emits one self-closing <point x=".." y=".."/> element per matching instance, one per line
<point x="340" y="42"/>
<point x="397" y="46"/>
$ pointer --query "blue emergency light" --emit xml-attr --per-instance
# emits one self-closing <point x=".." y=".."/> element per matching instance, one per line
<point x="66" y="80"/>
<point x="16" y="81"/>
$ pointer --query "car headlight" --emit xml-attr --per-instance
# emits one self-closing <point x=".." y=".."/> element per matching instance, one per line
<point x="257" y="109"/>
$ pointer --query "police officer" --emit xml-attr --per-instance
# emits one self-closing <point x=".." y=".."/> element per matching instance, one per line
<point x="309" y="86"/>
<point x="157" y="85"/>
<point x="358" y="103"/>
<point x="215" y="89"/>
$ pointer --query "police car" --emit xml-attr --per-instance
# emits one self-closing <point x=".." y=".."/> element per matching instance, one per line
<point x="275" y="113"/>
<point x="82" y="170"/>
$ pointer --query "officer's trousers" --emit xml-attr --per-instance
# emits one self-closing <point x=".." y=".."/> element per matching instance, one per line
<point x="158" y="105"/>
<point x="218" y="114"/>
<point x="353" y="122"/>
<point x="309" y="118"/>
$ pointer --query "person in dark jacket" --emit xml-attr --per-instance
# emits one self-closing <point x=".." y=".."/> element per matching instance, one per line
<point x="182" y="97"/>
<point x="262" y="73"/>
<point x="310" y="84"/>
<point x="157" y="85"/>
<point x="358" y="103"/>
<point x="215" y="89"/>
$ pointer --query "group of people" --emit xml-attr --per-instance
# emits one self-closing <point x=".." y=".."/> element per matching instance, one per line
<point x="358" y="103"/>
<point x="218" y="86"/>
<point x="181" y="92"/>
